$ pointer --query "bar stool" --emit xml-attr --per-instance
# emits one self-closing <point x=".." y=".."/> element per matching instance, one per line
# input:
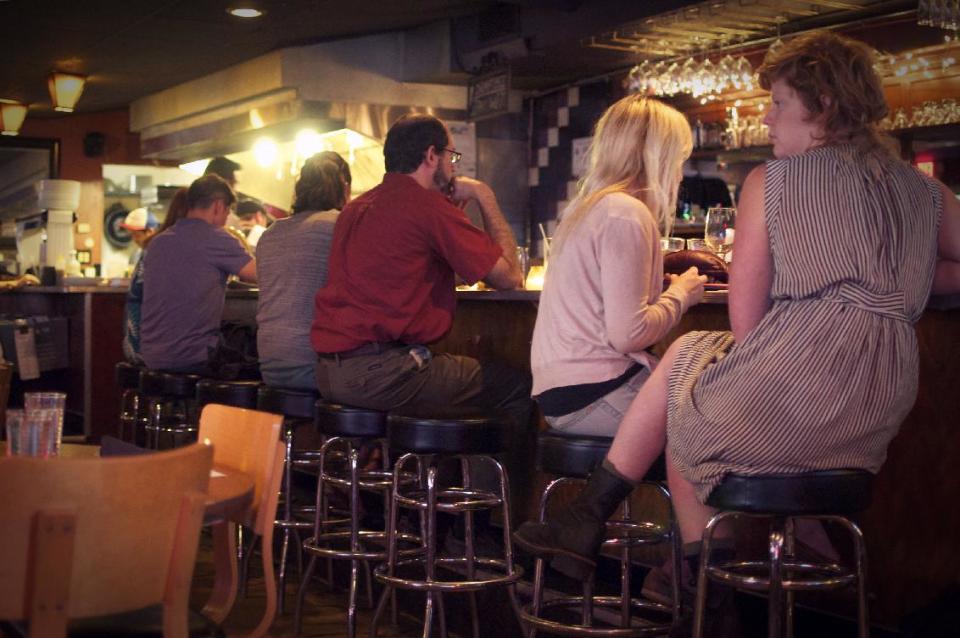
<point x="127" y="376"/>
<point x="826" y="496"/>
<point x="470" y="437"/>
<point x="238" y="394"/>
<point x="174" y="394"/>
<point x="297" y="407"/>
<point x="571" y="459"/>
<point x="346" y="428"/>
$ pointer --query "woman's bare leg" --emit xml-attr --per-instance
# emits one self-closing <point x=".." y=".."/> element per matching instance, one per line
<point x="692" y="515"/>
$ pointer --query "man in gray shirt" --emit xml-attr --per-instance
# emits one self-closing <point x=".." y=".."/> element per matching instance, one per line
<point x="291" y="266"/>
<point x="185" y="275"/>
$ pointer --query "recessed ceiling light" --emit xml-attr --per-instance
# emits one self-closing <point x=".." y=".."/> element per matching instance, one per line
<point x="245" y="12"/>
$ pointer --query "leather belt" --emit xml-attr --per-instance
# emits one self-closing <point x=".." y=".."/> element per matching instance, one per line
<point x="374" y="347"/>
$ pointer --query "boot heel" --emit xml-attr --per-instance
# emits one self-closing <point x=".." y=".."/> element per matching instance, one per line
<point x="578" y="569"/>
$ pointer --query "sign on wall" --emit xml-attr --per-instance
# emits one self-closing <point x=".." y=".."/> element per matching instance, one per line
<point x="488" y="94"/>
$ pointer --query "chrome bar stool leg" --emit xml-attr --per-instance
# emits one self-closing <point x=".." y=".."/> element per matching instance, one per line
<point x="287" y="515"/>
<point x="775" y="600"/>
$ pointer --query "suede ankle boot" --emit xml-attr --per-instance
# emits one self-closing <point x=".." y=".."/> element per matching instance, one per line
<point x="573" y="537"/>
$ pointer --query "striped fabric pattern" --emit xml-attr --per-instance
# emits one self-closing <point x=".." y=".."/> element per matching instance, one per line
<point x="827" y="376"/>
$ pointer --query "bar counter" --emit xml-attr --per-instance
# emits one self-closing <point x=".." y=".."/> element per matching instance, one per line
<point x="911" y="529"/>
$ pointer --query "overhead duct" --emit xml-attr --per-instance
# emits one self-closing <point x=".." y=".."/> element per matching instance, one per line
<point x="362" y="84"/>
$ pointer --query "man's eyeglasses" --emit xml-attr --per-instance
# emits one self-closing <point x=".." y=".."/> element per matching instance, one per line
<point x="454" y="156"/>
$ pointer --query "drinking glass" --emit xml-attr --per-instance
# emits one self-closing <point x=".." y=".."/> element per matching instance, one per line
<point x="32" y="433"/>
<point x="719" y="232"/>
<point x="523" y="259"/>
<point x="53" y="401"/>
<point x="697" y="244"/>
<point x="671" y="244"/>
<point x="14" y="424"/>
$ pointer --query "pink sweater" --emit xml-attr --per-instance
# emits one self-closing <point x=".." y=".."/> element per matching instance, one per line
<point x="601" y="305"/>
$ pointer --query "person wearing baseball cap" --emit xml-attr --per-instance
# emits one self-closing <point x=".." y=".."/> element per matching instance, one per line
<point x="141" y="224"/>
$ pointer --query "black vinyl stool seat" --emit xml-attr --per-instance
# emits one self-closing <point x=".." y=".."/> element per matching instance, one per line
<point x="346" y="430"/>
<point x="829" y="496"/>
<point x="292" y="403"/>
<point x="575" y="456"/>
<point x="238" y="394"/>
<point x="571" y="458"/>
<point x="172" y="406"/>
<point x="452" y="431"/>
<point x="297" y="406"/>
<point x="468" y="437"/>
<point x="127" y="376"/>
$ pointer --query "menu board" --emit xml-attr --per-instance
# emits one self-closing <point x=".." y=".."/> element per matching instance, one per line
<point x="488" y="94"/>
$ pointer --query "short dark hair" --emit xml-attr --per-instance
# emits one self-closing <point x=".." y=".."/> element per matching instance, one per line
<point x="223" y="167"/>
<point x="248" y="208"/>
<point x="323" y="184"/>
<point x="408" y="140"/>
<point x="206" y="190"/>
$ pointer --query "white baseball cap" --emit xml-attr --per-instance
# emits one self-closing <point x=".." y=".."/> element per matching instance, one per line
<point x="139" y="219"/>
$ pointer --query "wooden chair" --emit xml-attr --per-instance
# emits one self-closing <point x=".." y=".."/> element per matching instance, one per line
<point x="248" y="441"/>
<point x="86" y="537"/>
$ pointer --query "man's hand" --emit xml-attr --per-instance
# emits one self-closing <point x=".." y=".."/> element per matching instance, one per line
<point x="462" y="190"/>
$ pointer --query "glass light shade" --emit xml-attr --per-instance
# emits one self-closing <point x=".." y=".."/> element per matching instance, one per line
<point x="12" y="115"/>
<point x="65" y="90"/>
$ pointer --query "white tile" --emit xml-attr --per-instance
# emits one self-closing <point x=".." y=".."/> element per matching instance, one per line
<point x="563" y="116"/>
<point x="553" y="137"/>
<point x="533" y="176"/>
<point x="573" y="96"/>
<point x="571" y="189"/>
<point x="543" y="157"/>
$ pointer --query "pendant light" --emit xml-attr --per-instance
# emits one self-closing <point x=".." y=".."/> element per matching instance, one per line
<point x="12" y="115"/>
<point x="65" y="90"/>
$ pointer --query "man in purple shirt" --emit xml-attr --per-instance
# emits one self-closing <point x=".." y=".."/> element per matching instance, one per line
<point x="185" y="275"/>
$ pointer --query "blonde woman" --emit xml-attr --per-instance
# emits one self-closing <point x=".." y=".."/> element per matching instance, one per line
<point x="602" y="306"/>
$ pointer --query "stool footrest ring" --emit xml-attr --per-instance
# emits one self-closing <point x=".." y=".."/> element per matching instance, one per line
<point x="755" y="575"/>
<point x="450" y="585"/>
<point x="639" y="626"/>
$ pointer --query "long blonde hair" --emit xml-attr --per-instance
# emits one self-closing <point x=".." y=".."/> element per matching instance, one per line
<point x="638" y="148"/>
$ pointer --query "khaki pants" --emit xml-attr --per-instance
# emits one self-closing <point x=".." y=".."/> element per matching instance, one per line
<point x="394" y="378"/>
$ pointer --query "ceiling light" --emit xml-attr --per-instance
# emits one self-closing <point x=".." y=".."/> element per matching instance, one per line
<point x="65" y="90"/>
<point x="308" y="143"/>
<point x="12" y="115"/>
<point x="265" y="152"/>
<point x="245" y="12"/>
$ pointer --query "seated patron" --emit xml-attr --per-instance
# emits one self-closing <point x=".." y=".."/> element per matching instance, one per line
<point x="131" y="325"/>
<point x="292" y="267"/>
<point x="390" y="292"/>
<point x="601" y="306"/>
<point x="185" y="276"/>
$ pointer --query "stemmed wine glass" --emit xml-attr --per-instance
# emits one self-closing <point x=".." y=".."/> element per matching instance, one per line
<point x="719" y="232"/>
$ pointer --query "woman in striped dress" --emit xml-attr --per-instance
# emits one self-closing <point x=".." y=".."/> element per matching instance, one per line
<point x="838" y="246"/>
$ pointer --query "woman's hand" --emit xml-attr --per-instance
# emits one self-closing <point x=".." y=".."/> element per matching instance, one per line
<point x="690" y="283"/>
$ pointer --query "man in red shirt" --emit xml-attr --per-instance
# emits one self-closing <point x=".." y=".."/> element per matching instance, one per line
<point x="390" y="290"/>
